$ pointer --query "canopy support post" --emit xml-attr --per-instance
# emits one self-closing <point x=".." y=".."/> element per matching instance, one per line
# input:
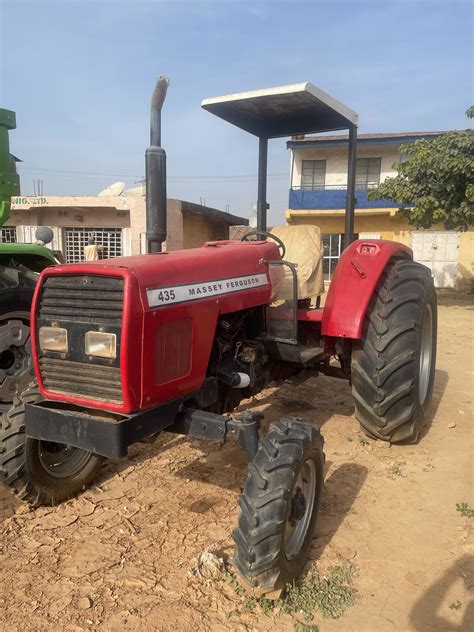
<point x="350" y="195"/>
<point x="262" y="205"/>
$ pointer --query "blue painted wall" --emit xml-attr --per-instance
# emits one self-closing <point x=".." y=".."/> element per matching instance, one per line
<point x="305" y="199"/>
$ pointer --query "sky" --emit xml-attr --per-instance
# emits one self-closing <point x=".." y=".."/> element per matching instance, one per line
<point x="79" y="75"/>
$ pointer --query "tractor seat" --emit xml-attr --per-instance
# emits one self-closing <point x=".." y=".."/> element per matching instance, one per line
<point x="304" y="247"/>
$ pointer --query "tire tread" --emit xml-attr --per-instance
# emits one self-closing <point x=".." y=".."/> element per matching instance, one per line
<point x="384" y="361"/>
<point x="258" y="534"/>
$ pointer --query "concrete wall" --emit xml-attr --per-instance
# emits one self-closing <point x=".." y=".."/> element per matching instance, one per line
<point x="69" y="212"/>
<point x="72" y="211"/>
<point x="388" y="226"/>
<point x="174" y="238"/>
<point x="198" y="229"/>
<point x="336" y="161"/>
<point x="465" y="269"/>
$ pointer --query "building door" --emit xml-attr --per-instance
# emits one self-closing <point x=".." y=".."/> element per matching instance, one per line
<point x="76" y="239"/>
<point x="438" y="250"/>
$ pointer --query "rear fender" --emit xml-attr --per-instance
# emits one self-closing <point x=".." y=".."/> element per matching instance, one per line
<point x="353" y="283"/>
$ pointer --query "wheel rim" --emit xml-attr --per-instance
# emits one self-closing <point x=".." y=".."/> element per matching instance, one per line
<point x="301" y="508"/>
<point x="60" y="460"/>
<point x="15" y="355"/>
<point x="426" y="353"/>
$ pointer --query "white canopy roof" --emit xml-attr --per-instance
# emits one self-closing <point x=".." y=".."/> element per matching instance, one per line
<point x="298" y="108"/>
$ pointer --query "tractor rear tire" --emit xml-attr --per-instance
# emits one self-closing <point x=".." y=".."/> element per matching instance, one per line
<point x="40" y="472"/>
<point x="279" y="505"/>
<point x="393" y="364"/>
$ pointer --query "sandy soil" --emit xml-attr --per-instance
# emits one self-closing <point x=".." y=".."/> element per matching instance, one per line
<point x="122" y="555"/>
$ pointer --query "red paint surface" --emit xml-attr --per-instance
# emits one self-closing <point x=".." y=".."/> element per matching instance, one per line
<point x="353" y="283"/>
<point x="173" y="339"/>
<point x="310" y="315"/>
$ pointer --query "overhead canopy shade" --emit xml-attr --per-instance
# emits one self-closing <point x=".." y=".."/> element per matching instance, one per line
<point x="298" y="108"/>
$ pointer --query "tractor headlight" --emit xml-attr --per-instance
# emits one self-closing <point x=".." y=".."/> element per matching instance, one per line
<point x="53" y="339"/>
<point x="101" y="345"/>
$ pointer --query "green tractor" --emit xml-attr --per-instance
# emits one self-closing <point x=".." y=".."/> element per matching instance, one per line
<point x="20" y="265"/>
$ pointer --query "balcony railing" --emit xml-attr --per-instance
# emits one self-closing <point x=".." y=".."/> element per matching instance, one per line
<point x="332" y="197"/>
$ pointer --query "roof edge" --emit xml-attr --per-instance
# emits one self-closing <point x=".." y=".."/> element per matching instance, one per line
<point x="346" y="112"/>
<point x="237" y="96"/>
<point x="342" y="139"/>
<point x="191" y="208"/>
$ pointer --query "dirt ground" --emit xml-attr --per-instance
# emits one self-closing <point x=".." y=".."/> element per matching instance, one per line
<point x="122" y="556"/>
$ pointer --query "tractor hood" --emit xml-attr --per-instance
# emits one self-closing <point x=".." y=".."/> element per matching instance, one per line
<point x="159" y="310"/>
<point x="185" y="271"/>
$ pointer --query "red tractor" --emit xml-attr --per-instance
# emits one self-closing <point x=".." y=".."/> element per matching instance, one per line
<point x="125" y="348"/>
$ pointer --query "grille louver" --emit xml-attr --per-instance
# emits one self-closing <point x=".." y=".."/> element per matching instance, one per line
<point x="86" y="299"/>
<point x="82" y="379"/>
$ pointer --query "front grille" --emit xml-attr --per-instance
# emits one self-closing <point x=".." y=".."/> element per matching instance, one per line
<point x="82" y="303"/>
<point x="94" y="381"/>
<point x="82" y="298"/>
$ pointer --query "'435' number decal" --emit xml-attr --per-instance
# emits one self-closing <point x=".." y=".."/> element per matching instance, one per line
<point x="165" y="296"/>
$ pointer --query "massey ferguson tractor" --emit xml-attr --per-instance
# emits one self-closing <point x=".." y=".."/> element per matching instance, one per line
<point x="126" y="348"/>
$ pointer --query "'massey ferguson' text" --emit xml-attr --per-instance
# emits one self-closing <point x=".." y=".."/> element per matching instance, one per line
<point x="194" y="291"/>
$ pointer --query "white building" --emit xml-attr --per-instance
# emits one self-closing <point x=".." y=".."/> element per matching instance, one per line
<point x="117" y="222"/>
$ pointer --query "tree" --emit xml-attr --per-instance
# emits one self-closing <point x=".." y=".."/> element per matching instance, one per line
<point x="435" y="184"/>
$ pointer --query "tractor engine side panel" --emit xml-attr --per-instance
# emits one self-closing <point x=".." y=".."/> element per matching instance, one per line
<point x="184" y="306"/>
<point x="178" y="342"/>
<point x="353" y="284"/>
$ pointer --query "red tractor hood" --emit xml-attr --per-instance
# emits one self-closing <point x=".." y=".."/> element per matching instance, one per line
<point x="234" y="265"/>
<point x="171" y="305"/>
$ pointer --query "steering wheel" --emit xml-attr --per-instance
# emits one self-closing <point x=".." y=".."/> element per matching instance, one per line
<point x="279" y="242"/>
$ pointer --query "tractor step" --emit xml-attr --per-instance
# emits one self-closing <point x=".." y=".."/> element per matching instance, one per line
<point x="299" y="354"/>
<point x="203" y="424"/>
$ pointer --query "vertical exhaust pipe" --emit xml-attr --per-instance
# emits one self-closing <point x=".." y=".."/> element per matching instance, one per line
<point x="155" y="172"/>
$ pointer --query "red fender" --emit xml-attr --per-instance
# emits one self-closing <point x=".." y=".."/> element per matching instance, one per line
<point x="353" y="283"/>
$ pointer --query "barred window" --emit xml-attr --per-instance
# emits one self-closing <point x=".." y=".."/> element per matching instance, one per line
<point x="333" y="245"/>
<point x="8" y="235"/>
<point x="76" y="239"/>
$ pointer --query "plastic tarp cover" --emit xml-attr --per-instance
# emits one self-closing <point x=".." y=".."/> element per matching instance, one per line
<point x="304" y="247"/>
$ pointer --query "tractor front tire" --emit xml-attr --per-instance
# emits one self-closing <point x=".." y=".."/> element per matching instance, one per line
<point x="41" y="472"/>
<point x="393" y="364"/>
<point x="279" y="505"/>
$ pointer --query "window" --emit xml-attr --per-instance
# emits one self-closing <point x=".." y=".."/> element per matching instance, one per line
<point x="333" y="244"/>
<point x="76" y="239"/>
<point x="8" y="235"/>
<point x="367" y="173"/>
<point x="313" y="174"/>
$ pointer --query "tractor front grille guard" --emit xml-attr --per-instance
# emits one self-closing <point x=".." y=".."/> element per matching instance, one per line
<point x="81" y="304"/>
